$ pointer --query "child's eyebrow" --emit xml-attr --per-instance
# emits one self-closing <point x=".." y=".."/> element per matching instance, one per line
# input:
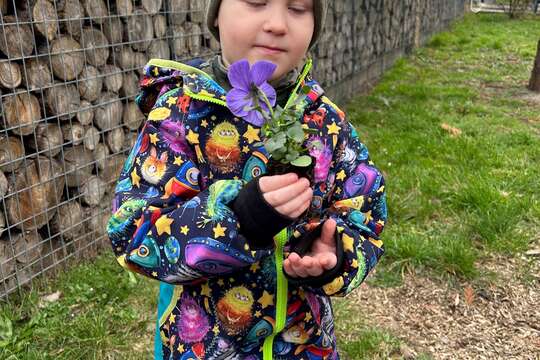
<point x="303" y="2"/>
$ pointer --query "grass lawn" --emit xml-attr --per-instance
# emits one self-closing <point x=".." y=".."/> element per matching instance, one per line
<point x="458" y="138"/>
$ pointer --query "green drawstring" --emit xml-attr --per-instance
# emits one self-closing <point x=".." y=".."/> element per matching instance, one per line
<point x="281" y="294"/>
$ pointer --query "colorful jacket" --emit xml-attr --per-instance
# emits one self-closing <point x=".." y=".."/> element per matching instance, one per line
<point x="219" y="298"/>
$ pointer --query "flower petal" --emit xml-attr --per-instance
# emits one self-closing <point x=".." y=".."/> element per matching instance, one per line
<point x="237" y="100"/>
<point x="254" y="118"/>
<point x="261" y="71"/>
<point x="270" y="93"/>
<point x="239" y="75"/>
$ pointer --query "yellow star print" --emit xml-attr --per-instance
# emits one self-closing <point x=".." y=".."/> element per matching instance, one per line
<point x="333" y="129"/>
<point x="135" y="178"/>
<point x="180" y="348"/>
<point x="220" y="282"/>
<point x="156" y="71"/>
<point x="163" y="225"/>
<point x="219" y="231"/>
<point x="204" y="123"/>
<point x="245" y="149"/>
<point x="258" y="313"/>
<point x="184" y="229"/>
<point x="254" y="267"/>
<point x="205" y="290"/>
<point x="348" y="243"/>
<point x="354" y="263"/>
<point x="192" y="137"/>
<point x="171" y="101"/>
<point x="172" y="318"/>
<point x="252" y="134"/>
<point x="308" y="317"/>
<point x="178" y="160"/>
<point x="153" y="138"/>
<point x="154" y="274"/>
<point x="341" y="175"/>
<point x="266" y="300"/>
<point x="215" y="329"/>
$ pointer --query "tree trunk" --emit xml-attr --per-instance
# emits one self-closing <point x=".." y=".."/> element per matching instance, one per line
<point x="91" y="138"/>
<point x="38" y="74"/>
<point x="73" y="133"/>
<point x="115" y="140"/>
<point x="44" y="15"/>
<point x="113" y="78"/>
<point x="68" y="58"/>
<point x="28" y="246"/>
<point x="48" y="139"/>
<point x="132" y="117"/>
<point x="90" y="83"/>
<point x="11" y="153"/>
<point x="63" y="101"/>
<point x="534" y="83"/>
<point x="140" y="30"/>
<point x="96" y="46"/>
<point x="16" y="40"/>
<point x="69" y="220"/>
<point x="86" y="114"/>
<point x="109" y="112"/>
<point x="96" y="10"/>
<point x="72" y="14"/>
<point x="79" y="163"/>
<point x="100" y="155"/>
<point x="130" y="84"/>
<point x="93" y="191"/>
<point x="10" y="74"/>
<point x="113" y="29"/>
<point x="22" y="111"/>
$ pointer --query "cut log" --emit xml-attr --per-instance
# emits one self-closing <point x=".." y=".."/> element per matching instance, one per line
<point x="3" y="7"/>
<point x="96" y="46"/>
<point x="53" y="252"/>
<point x="85" y="116"/>
<point x="45" y="19"/>
<point x="67" y="59"/>
<point x="68" y="221"/>
<point x="140" y="30"/>
<point x="115" y="140"/>
<point x="109" y="112"/>
<point x="36" y="190"/>
<point x="197" y="11"/>
<point x="79" y="164"/>
<point x="152" y="6"/>
<point x="63" y="101"/>
<point x="130" y="138"/>
<point x="21" y="112"/>
<point x="38" y="74"/>
<point x="113" y="29"/>
<point x="139" y="61"/>
<point x="16" y="39"/>
<point x="124" y="7"/>
<point x="3" y="189"/>
<point x="73" y="133"/>
<point x="112" y="169"/>
<point x="158" y="49"/>
<point x="96" y="10"/>
<point x="100" y="155"/>
<point x="179" y="43"/>
<point x="123" y="57"/>
<point x="130" y="84"/>
<point x="7" y="262"/>
<point x="91" y="138"/>
<point x="28" y="246"/>
<point x="74" y="11"/>
<point x="534" y="82"/>
<point x="178" y="10"/>
<point x="132" y="117"/>
<point x="160" y="26"/>
<point x="113" y="78"/>
<point x="194" y="37"/>
<point x="93" y="191"/>
<point x="10" y="74"/>
<point x="99" y="218"/>
<point x="2" y="216"/>
<point x="11" y="153"/>
<point x="90" y="83"/>
<point x="48" y="139"/>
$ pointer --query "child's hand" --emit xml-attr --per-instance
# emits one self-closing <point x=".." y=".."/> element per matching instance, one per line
<point x="287" y="194"/>
<point x="321" y="257"/>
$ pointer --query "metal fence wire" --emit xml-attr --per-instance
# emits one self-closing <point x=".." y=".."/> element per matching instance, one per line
<point x="69" y="72"/>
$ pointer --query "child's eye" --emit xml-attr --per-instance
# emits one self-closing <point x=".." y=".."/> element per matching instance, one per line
<point x="256" y="3"/>
<point x="298" y="10"/>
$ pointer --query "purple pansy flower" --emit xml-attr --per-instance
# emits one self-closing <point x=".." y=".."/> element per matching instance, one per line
<point x="250" y="86"/>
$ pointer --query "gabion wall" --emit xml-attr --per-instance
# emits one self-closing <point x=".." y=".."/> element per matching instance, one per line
<point x="69" y="73"/>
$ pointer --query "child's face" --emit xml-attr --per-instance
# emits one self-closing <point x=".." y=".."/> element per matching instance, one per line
<point x="279" y="31"/>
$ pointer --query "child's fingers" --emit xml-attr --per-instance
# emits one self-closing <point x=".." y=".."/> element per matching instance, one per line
<point x="282" y="195"/>
<point x="271" y="183"/>
<point x="327" y="261"/>
<point x="328" y="231"/>
<point x="313" y="267"/>
<point x="288" y="268"/>
<point x="297" y="205"/>
<point x="297" y="266"/>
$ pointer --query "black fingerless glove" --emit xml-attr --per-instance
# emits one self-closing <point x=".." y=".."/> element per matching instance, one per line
<point x="259" y="221"/>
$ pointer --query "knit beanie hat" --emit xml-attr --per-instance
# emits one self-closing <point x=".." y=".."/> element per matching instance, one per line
<point x="319" y="11"/>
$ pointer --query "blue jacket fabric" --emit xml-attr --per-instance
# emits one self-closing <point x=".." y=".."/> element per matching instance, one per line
<point x="171" y="221"/>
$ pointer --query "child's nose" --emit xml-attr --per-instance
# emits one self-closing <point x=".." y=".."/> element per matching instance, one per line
<point x="276" y="23"/>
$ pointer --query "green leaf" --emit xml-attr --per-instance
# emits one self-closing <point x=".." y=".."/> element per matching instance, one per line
<point x="296" y="133"/>
<point x="6" y="329"/>
<point x="306" y="89"/>
<point x="302" y="161"/>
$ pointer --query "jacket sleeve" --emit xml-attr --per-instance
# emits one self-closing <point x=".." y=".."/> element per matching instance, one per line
<point x="163" y="225"/>
<point x="357" y="202"/>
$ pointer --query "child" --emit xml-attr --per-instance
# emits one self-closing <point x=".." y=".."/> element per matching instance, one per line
<point x="194" y="210"/>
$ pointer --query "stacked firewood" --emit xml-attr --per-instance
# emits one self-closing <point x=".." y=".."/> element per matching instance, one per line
<point x="69" y="73"/>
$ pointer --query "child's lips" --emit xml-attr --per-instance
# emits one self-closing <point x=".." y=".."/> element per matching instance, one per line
<point x="269" y="49"/>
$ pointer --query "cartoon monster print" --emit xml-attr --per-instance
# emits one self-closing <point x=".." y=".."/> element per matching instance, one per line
<point x="220" y="193"/>
<point x="222" y="148"/>
<point x="321" y="151"/>
<point x="316" y="117"/>
<point x="118" y="223"/>
<point x="154" y="168"/>
<point x="234" y="310"/>
<point x="192" y="321"/>
<point x="174" y="135"/>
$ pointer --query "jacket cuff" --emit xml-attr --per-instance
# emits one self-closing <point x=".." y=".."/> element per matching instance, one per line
<point x="303" y="246"/>
<point x="259" y="221"/>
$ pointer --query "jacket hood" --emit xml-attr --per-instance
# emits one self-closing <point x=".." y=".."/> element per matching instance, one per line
<point x="161" y="76"/>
